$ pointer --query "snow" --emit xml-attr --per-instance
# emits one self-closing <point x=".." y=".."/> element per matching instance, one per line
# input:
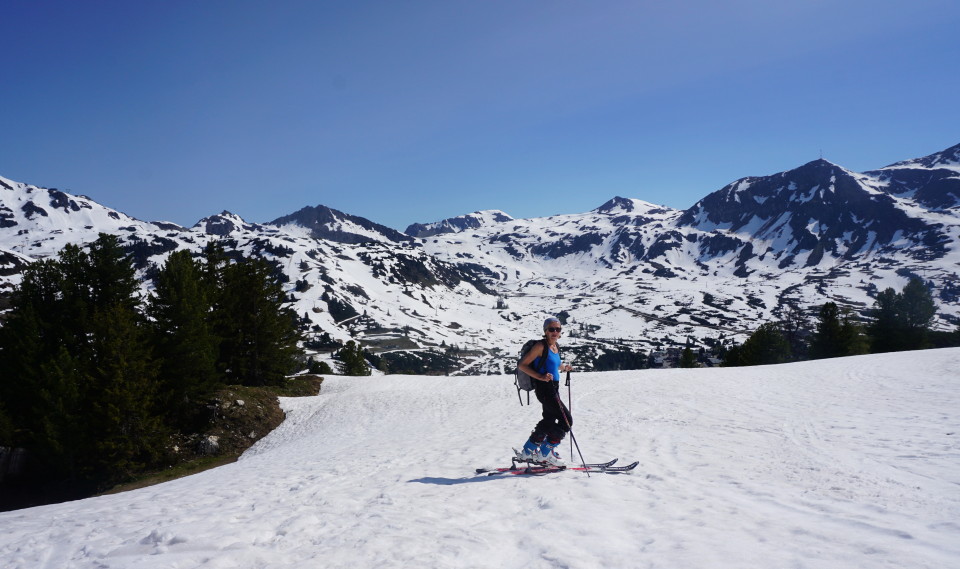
<point x="618" y="271"/>
<point x="843" y="463"/>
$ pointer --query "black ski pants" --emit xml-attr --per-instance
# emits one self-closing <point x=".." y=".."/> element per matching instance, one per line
<point x="554" y="424"/>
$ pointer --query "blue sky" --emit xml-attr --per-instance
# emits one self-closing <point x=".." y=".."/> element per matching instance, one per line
<point x="414" y="111"/>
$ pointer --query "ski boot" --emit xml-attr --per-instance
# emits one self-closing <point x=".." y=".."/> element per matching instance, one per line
<point x="530" y="453"/>
<point x="548" y="454"/>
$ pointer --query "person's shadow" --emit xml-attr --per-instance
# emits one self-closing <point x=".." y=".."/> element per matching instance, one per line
<point x="455" y="481"/>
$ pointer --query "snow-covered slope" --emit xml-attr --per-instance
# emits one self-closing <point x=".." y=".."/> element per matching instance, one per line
<point x="383" y="290"/>
<point x="745" y="254"/>
<point x="628" y="273"/>
<point x="833" y="464"/>
<point x="932" y="182"/>
<point x="332" y="225"/>
<point x="459" y="223"/>
<point x="38" y="222"/>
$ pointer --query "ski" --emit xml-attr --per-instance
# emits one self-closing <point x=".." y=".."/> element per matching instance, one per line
<point x="538" y="469"/>
<point x="516" y="458"/>
<point x="533" y="464"/>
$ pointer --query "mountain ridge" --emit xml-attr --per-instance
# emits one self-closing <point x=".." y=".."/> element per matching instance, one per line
<point x="328" y="223"/>
<point x="627" y="271"/>
<point x="458" y="224"/>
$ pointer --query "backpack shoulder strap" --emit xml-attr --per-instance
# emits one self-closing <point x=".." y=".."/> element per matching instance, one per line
<point x="543" y="356"/>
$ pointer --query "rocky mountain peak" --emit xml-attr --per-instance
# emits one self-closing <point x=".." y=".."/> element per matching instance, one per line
<point x="947" y="159"/>
<point x="458" y="224"/>
<point x="617" y="205"/>
<point x="223" y="223"/>
<point x="932" y="182"/>
<point x="327" y="223"/>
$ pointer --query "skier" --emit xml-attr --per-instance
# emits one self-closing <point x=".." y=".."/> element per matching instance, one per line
<point x="556" y="421"/>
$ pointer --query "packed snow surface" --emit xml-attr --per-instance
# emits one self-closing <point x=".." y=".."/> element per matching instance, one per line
<point x="841" y="463"/>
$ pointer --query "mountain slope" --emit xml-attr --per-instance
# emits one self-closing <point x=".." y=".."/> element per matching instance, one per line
<point x="381" y="289"/>
<point x="628" y="274"/>
<point x="458" y="224"/>
<point x="817" y="209"/>
<point x="745" y="254"/>
<point x="38" y="221"/>
<point x="835" y="463"/>
<point x="332" y="225"/>
<point x="932" y="181"/>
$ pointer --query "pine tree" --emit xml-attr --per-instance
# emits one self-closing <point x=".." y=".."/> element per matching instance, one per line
<point x="853" y="335"/>
<point x="258" y="334"/>
<point x="128" y="432"/>
<point x="886" y="330"/>
<point x="183" y="338"/>
<point x="795" y="329"/>
<point x="918" y="309"/>
<point x="6" y="426"/>
<point x="352" y="359"/>
<point x="687" y="358"/>
<point x="32" y="337"/>
<point x="765" y="346"/>
<point x="62" y="437"/>
<point x="112" y="279"/>
<point x="319" y="367"/>
<point x="838" y="334"/>
<point x="826" y="341"/>
<point x="901" y="321"/>
<point x="78" y="368"/>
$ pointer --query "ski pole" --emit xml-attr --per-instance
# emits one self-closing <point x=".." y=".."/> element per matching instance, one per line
<point x="570" y="407"/>
<point x="572" y="438"/>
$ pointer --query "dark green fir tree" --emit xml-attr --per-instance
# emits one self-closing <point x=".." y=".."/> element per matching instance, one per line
<point x="687" y="358"/>
<point x="352" y="359"/>
<point x="901" y="321"/>
<point x="78" y="369"/>
<point x="184" y="340"/>
<point x="258" y="334"/>
<point x="767" y="345"/>
<point x="837" y="334"/>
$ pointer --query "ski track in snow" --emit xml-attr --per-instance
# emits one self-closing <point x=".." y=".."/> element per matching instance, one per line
<point x="842" y="463"/>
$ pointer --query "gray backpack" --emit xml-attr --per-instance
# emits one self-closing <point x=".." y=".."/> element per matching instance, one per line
<point x="522" y="380"/>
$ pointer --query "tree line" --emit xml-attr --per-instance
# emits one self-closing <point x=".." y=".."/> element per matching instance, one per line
<point x="96" y="379"/>
<point x="898" y="321"/>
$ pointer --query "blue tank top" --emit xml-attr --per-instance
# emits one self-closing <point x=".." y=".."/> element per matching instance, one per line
<point x="553" y="365"/>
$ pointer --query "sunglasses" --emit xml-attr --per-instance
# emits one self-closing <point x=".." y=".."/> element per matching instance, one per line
<point x="553" y="329"/>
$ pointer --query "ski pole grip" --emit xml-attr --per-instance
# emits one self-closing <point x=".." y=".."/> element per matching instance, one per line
<point x="568" y="377"/>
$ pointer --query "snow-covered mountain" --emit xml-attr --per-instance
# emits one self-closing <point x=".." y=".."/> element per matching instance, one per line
<point x="831" y="464"/>
<point x="33" y="220"/>
<point x="389" y="293"/>
<point x="332" y="225"/>
<point x="738" y="257"/>
<point x="626" y="273"/>
<point x="226" y="223"/>
<point x="932" y="182"/>
<point x="458" y="224"/>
